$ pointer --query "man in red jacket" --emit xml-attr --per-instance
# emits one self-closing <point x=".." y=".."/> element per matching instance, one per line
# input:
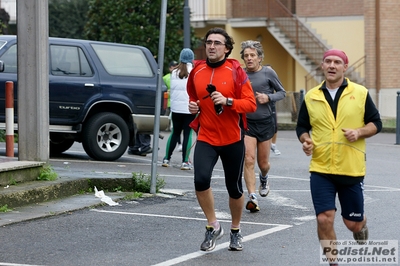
<point x="221" y="94"/>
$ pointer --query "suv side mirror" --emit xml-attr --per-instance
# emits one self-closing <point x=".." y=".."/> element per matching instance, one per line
<point x="1" y="66"/>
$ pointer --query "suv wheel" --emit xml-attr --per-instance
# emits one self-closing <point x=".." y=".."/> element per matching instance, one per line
<point x="105" y="137"/>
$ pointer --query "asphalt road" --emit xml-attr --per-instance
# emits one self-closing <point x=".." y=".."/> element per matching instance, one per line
<point x="169" y="231"/>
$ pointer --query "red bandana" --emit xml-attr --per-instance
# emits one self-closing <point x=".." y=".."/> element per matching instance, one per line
<point x="336" y="52"/>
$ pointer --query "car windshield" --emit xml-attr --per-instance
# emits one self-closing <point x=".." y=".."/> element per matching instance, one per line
<point x="123" y="60"/>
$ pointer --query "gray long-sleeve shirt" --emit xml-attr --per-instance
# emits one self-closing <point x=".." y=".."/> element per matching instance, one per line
<point x="265" y="81"/>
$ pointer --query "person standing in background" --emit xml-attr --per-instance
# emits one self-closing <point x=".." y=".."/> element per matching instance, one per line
<point x="181" y="117"/>
<point x="167" y="80"/>
<point x="142" y="145"/>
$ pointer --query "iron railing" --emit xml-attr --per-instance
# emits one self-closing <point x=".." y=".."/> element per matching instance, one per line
<point x="356" y="71"/>
<point x="304" y="41"/>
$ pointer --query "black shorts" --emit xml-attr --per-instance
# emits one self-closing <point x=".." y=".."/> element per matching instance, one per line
<point x="232" y="157"/>
<point x="262" y="130"/>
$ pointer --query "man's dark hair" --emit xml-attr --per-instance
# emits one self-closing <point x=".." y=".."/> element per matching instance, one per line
<point x="228" y="39"/>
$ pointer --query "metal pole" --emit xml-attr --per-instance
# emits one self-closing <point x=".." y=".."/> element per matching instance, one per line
<point x="161" y="45"/>
<point x="301" y="96"/>
<point x="186" y="25"/>
<point x="398" y="119"/>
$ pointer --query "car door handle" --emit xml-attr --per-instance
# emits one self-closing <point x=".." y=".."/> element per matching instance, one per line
<point x="89" y="85"/>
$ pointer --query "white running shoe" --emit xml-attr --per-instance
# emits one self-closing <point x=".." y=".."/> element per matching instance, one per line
<point x="275" y="150"/>
<point x="252" y="203"/>
<point x="186" y="166"/>
<point x="165" y="163"/>
<point x="264" y="187"/>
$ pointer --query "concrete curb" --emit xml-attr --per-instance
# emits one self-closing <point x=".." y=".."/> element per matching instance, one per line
<point x="55" y="207"/>
<point x="41" y="191"/>
<point x="38" y="199"/>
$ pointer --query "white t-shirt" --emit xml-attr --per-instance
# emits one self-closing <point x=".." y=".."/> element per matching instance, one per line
<point x="332" y="92"/>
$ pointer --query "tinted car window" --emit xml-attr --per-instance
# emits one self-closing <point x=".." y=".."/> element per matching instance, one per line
<point x="68" y="61"/>
<point x="10" y="60"/>
<point x="123" y="61"/>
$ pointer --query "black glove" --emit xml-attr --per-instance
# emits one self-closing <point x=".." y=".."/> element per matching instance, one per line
<point x="218" y="107"/>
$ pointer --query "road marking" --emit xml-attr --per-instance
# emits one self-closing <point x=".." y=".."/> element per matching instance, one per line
<point x="285" y="201"/>
<point x="305" y="218"/>
<point x="224" y="245"/>
<point x="16" y="264"/>
<point x="276" y="228"/>
<point x="84" y="161"/>
<point x="380" y="188"/>
<point x="180" y="217"/>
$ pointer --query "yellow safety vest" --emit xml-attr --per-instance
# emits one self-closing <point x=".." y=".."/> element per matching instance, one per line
<point x="333" y="153"/>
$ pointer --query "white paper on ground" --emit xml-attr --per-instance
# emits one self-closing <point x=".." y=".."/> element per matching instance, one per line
<point x="100" y="194"/>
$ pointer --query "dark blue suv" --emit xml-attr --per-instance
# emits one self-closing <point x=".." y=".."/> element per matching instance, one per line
<point x="101" y="94"/>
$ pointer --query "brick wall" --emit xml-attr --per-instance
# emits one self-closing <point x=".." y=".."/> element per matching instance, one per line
<point x="303" y="8"/>
<point x="389" y="43"/>
<point x="369" y="23"/>
<point x="325" y="8"/>
<point x="249" y="9"/>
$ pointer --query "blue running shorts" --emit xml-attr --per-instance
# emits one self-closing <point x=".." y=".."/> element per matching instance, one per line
<point x="351" y="196"/>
